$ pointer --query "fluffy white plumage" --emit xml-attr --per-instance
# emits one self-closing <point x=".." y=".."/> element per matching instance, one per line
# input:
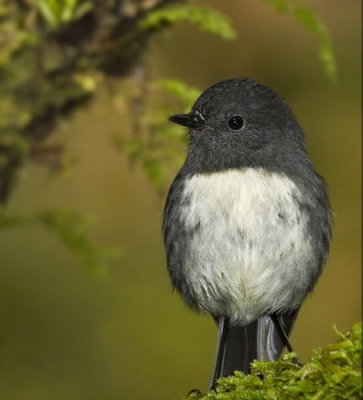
<point x="250" y="251"/>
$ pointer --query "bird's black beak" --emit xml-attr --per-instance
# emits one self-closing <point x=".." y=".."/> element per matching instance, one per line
<point x="191" y="120"/>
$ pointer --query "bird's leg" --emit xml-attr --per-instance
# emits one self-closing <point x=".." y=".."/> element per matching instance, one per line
<point x="282" y="333"/>
<point x="284" y="338"/>
<point x="223" y="324"/>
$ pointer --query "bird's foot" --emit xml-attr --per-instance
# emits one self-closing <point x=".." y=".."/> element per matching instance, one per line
<point x="297" y="362"/>
<point x="194" y="394"/>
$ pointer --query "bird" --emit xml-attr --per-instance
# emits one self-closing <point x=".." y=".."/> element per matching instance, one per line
<point x="247" y="221"/>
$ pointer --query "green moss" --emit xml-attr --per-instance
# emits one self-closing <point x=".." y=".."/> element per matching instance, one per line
<point x="333" y="372"/>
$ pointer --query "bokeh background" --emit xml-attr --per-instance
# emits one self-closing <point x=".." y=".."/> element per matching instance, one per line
<point x="68" y="334"/>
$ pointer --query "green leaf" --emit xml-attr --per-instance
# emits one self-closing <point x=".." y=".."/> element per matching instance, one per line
<point x="71" y="229"/>
<point x="186" y="94"/>
<point x="48" y="12"/>
<point x="57" y="13"/>
<point x="12" y="221"/>
<point x="308" y="18"/>
<point x="206" y="19"/>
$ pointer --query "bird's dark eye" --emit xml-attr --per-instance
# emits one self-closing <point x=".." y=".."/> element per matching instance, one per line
<point x="235" y="123"/>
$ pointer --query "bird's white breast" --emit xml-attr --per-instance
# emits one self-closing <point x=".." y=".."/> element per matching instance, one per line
<point x="249" y="251"/>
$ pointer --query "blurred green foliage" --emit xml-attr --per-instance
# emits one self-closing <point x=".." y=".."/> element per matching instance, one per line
<point x="206" y="19"/>
<point x="72" y="230"/>
<point x="54" y="55"/>
<point x="332" y="373"/>
<point x="158" y="146"/>
<point x="56" y="13"/>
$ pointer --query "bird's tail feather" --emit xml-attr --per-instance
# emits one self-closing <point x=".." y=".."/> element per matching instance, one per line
<point x="238" y="346"/>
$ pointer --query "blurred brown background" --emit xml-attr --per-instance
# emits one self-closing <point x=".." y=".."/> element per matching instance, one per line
<point x="66" y="334"/>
